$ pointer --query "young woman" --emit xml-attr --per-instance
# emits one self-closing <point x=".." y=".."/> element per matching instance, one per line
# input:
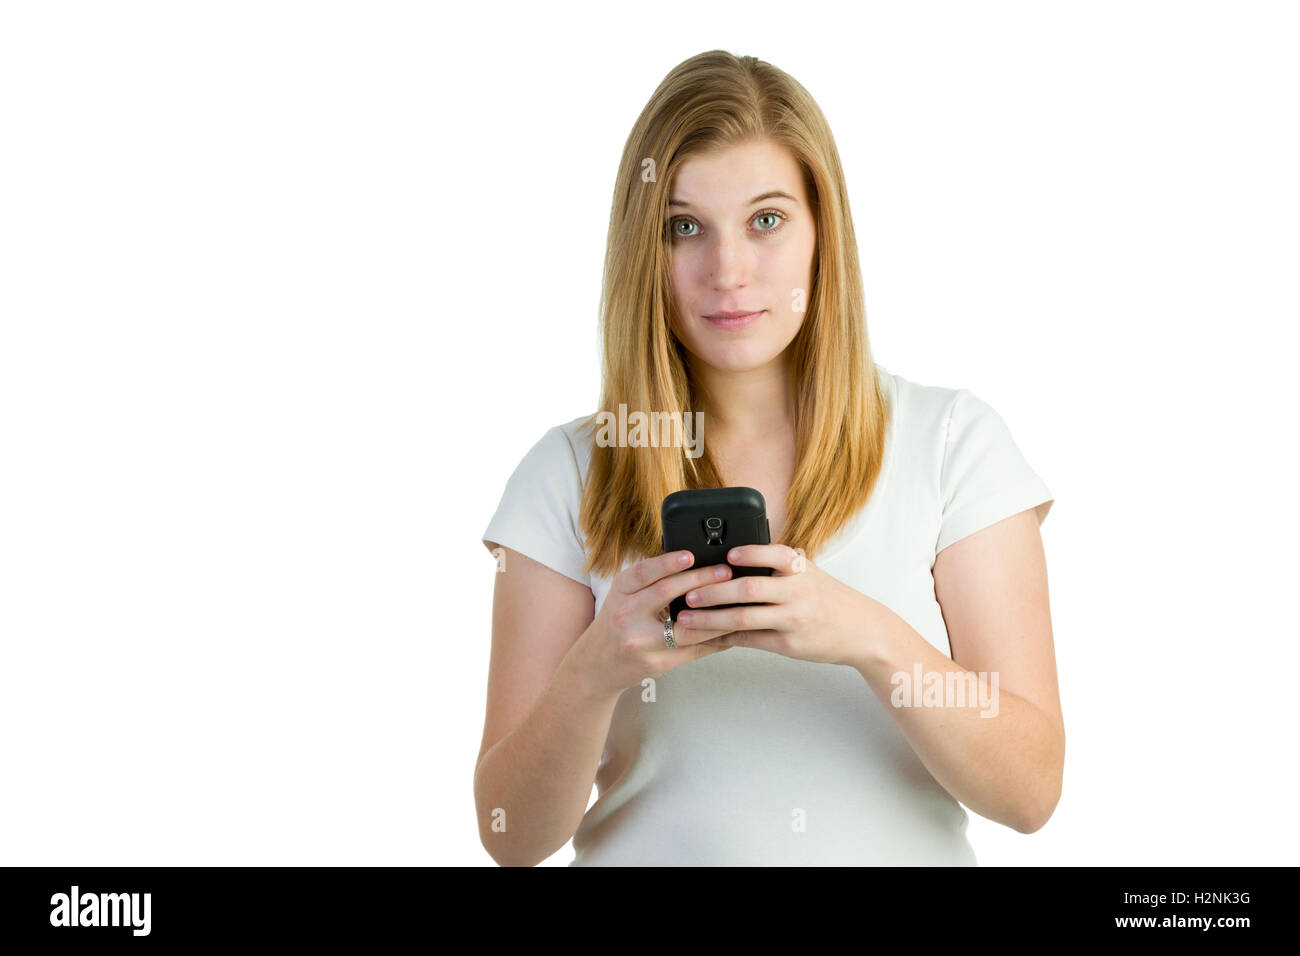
<point x="822" y="725"/>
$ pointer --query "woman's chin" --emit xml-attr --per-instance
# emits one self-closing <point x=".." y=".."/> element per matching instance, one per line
<point x="736" y="358"/>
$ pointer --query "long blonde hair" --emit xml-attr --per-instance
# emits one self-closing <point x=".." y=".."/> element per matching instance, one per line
<point x="710" y="101"/>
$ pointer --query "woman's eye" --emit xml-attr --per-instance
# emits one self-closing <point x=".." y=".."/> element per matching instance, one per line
<point x="688" y="229"/>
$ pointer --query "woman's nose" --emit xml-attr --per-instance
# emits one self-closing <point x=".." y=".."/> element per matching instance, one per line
<point x="730" y="265"/>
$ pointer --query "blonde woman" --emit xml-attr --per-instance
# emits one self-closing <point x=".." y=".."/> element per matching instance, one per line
<point x="819" y="725"/>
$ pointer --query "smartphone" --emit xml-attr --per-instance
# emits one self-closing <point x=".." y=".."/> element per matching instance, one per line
<point x="710" y="521"/>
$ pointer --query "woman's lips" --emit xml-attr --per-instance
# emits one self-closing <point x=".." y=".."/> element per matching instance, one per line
<point x="734" y="320"/>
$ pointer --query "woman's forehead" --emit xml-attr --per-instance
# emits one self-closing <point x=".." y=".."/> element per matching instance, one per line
<point x="738" y="175"/>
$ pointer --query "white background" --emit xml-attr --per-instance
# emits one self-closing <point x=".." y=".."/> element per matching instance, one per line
<point x="287" y="290"/>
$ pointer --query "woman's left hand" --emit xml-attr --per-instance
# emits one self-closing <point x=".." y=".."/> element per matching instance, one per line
<point x="809" y="616"/>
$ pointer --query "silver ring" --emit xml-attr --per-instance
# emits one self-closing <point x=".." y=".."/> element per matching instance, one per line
<point x="668" y="632"/>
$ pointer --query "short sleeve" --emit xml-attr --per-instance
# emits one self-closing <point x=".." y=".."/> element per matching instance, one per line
<point x="538" y="512"/>
<point x="984" y="477"/>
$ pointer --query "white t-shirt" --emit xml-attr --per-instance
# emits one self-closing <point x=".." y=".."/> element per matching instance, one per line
<point x="748" y="757"/>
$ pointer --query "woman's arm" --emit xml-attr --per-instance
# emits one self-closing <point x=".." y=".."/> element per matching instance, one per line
<point x="554" y="686"/>
<point x="992" y="589"/>
<point x="544" y="730"/>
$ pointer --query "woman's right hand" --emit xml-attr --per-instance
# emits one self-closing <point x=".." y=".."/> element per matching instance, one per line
<point x="625" y="643"/>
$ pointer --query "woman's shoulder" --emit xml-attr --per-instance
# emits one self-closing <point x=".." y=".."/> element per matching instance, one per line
<point x="918" y="409"/>
<point x="952" y="410"/>
<point x="563" y="449"/>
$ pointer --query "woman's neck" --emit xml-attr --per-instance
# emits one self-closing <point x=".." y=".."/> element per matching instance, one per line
<point x="750" y="404"/>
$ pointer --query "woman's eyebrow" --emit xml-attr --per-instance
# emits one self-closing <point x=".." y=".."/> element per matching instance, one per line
<point x="774" y="194"/>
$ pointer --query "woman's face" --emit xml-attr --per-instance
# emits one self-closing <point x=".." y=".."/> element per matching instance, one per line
<point x="742" y="239"/>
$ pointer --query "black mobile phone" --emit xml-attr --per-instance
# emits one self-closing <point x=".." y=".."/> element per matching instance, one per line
<point x="710" y="521"/>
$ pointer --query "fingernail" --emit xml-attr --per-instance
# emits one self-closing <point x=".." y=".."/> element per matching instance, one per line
<point x="684" y="557"/>
<point x="733" y="556"/>
<point x="721" y="571"/>
<point x="683" y="618"/>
